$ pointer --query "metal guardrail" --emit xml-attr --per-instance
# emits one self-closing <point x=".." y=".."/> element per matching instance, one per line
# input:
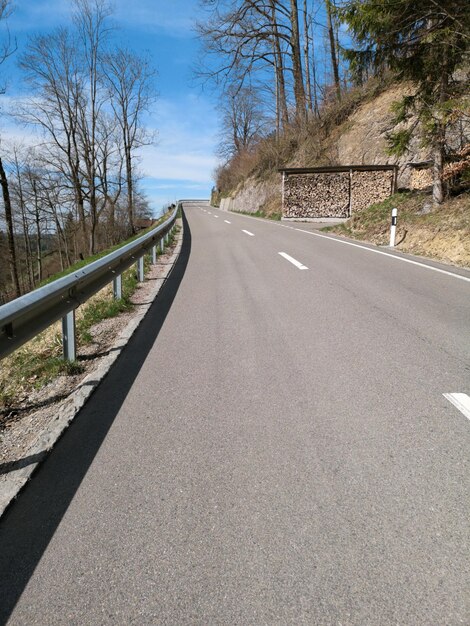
<point x="24" y="318"/>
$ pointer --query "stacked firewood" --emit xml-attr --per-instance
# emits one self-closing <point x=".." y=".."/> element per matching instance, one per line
<point x="316" y="195"/>
<point x="460" y="165"/>
<point x="370" y="187"/>
<point x="420" y="178"/>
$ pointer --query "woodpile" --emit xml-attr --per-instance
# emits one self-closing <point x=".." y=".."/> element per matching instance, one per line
<point x="460" y="166"/>
<point x="420" y="178"/>
<point x="421" y="175"/>
<point x="369" y="187"/>
<point x="316" y="195"/>
<point x="335" y="192"/>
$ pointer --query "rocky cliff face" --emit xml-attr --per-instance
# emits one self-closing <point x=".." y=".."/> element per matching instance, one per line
<point x="363" y="139"/>
<point x="254" y="195"/>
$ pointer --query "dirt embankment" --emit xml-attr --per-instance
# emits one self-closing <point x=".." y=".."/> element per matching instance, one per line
<point x="441" y="233"/>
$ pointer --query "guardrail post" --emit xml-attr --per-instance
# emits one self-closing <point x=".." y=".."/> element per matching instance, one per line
<point x="162" y="245"/>
<point x="117" y="287"/>
<point x="154" y="255"/>
<point x="140" y="269"/>
<point x="68" y="336"/>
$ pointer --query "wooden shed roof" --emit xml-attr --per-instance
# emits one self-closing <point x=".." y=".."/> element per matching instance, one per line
<point x="333" y="169"/>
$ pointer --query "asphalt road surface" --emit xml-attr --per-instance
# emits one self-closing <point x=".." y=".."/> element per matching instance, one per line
<point x="273" y="447"/>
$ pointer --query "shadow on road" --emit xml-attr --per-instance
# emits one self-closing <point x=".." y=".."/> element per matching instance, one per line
<point x="28" y="526"/>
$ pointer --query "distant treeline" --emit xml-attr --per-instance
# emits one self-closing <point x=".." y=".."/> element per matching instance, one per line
<point x="79" y="186"/>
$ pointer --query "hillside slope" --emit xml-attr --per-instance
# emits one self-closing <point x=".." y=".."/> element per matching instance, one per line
<point x="355" y="132"/>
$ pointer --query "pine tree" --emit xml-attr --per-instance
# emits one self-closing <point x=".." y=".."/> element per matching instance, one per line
<point x="425" y="42"/>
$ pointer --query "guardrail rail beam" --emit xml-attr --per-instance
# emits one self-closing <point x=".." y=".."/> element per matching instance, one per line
<point x="27" y="316"/>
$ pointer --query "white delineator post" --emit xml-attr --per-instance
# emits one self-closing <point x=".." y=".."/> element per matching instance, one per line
<point x="393" y="228"/>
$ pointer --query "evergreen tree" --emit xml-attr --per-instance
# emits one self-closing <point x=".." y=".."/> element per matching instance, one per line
<point x="425" y="42"/>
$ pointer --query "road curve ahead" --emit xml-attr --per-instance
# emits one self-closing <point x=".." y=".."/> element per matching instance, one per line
<point x="273" y="447"/>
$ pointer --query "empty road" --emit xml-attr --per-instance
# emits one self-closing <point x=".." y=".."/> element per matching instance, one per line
<point x="273" y="447"/>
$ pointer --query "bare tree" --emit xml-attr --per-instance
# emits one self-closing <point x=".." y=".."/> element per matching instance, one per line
<point x="65" y="70"/>
<point x="53" y="70"/>
<point x="7" y="46"/>
<point x="91" y="23"/>
<point x="6" y="49"/>
<point x="243" y="121"/>
<point x="87" y="102"/>
<point x="333" y="48"/>
<point x="255" y="35"/>
<point x="129" y="78"/>
<point x="10" y="229"/>
<point x="282" y="114"/>
<point x="299" y="88"/>
<point x="18" y="158"/>
<point x="306" y="50"/>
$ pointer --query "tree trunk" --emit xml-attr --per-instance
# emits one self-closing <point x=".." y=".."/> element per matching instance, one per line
<point x="333" y="52"/>
<point x="308" y="82"/>
<point x="438" y="191"/>
<point x="94" y="223"/>
<point x="60" y="237"/>
<point x="80" y="206"/>
<point x="316" y="106"/>
<point x="24" y="222"/>
<point x="438" y="172"/>
<point x="130" y="189"/>
<point x="10" y="231"/>
<point x="299" y="91"/>
<point x="279" y="68"/>
<point x="38" y="233"/>
<point x="27" y="247"/>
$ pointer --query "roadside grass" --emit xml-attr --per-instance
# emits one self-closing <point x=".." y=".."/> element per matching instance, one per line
<point x="441" y="233"/>
<point x="39" y="361"/>
<point x="104" y="307"/>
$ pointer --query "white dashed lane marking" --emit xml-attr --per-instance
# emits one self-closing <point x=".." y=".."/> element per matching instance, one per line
<point x="461" y="401"/>
<point x="248" y="233"/>
<point x="291" y="259"/>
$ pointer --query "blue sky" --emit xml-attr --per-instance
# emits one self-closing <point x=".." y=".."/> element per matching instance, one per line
<point x="181" y="163"/>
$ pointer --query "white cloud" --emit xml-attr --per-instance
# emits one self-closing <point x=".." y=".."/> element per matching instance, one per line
<point x="177" y="165"/>
<point x="186" y="140"/>
<point x="39" y="14"/>
<point x="166" y="186"/>
<point x="177" y="19"/>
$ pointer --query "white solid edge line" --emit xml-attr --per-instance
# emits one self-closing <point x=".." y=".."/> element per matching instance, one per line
<point x="357" y="245"/>
<point x="227" y="222"/>
<point x="247" y="232"/>
<point x="291" y="259"/>
<point x="461" y="401"/>
<point x="390" y="256"/>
